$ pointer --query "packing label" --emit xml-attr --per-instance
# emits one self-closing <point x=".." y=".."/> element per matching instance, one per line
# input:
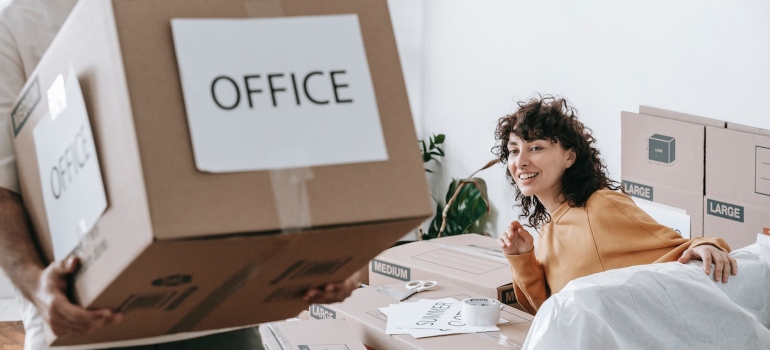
<point x="725" y="210"/>
<point x="638" y="190"/>
<point x="71" y="180"/>
<point x="398" y="272"/>
<point x="277" y="93"/>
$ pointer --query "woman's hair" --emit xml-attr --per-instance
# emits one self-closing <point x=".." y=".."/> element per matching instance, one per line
<point x="552" y="118"/>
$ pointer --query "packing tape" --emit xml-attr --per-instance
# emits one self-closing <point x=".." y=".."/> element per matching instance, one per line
<point x="481" y="312"/>
<point x="292" y="202"/>
<point x="264" y="8"/>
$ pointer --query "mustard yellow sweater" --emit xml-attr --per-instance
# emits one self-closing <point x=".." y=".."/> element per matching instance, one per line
<point x="609" y="232"/>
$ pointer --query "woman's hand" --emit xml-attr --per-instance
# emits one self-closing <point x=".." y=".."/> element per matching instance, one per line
<point x="724" y="264"/>
<point x="516" y="240"/>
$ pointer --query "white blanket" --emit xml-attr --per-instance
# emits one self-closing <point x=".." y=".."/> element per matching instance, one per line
<point x="661" y="306"/>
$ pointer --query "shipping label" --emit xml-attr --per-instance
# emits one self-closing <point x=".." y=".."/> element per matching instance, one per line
<point x="725" y="210"/>
<point x="26" y="105"/>
<point x="637" y="190"/>
<point x="321" y="312"/>
<point x="391" y="270"/>
<point x="68" y="165"/>
<point x="277" y="93"/>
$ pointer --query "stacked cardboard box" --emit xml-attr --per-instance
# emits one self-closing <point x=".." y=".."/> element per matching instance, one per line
<point x="362" y="314"/>
<point x="309" y="335"/>
<point x="184" y="246"/>
<point x="472" y="261"/>
<point x="737" y="201"/>
<point x="662" y="159"/>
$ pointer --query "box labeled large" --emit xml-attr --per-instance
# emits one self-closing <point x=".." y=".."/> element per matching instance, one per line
<point x="327" y="334"/>
<point x="197" y="234"/>
<point x="362" y="314"/>
<point x="471" y="261"/>
<point x="737" y="200"/>
<point x="662" y="159"/>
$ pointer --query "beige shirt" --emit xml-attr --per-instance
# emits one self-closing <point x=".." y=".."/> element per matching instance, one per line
<point x="610" y="232"/>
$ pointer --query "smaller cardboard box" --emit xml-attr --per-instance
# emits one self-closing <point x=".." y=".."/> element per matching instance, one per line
<point x="737" y="200"/>
<point x="662" y="159"/>
<point x="309" y="335"/>
<point x="471" y="261"/>
<point x="361" y="312"/>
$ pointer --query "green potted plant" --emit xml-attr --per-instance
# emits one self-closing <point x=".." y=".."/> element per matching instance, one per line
<point x="466" y="202"/>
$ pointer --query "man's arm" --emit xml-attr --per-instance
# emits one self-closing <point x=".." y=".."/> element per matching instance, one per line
<point x="44" y="286"/>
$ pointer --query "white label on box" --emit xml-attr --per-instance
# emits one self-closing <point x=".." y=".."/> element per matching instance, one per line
<point x="275" y="93"/>
<point x="71" y="180"/>
<point x="670" y="216"/>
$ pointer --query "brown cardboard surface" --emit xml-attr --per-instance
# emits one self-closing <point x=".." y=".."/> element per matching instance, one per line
<point x="471" y="261"/>
<point x="166" y="220"/>
<point x="748" y="129"/>
<point x="738" y="230"/>
<point x="309" y="335"/>
<point x="684" y="171"/>
<point x="361" y="312"/>
<point x="689" y="201"/>
<point x="738" y="166"/>
<point x="664" y="113"/>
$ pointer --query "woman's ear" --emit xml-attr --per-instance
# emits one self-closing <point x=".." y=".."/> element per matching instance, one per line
<point x="571" y="157"/>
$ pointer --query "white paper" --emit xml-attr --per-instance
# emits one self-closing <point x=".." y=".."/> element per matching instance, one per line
<point x="673" y="217"/>
<point x="429" y="318"/>
<point x="309" y="100"/>
<point x="73" y="191"/>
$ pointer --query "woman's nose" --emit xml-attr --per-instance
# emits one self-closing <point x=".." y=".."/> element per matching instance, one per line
<point x="522" y="160"/>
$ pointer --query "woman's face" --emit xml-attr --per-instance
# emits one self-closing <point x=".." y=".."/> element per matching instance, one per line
<point x="538" y="166"/>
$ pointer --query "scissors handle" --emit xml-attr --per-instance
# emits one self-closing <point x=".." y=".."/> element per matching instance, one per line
<point x="421" y="285"/>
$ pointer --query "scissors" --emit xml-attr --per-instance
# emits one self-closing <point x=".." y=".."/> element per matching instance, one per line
<point x="417" y="286"/>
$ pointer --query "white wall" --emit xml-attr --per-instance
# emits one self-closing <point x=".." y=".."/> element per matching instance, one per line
<point x="709" y="58"/>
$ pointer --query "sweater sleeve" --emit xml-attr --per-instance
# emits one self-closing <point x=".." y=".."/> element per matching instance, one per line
<point x="529" y="282"/>
<point x="626" y="235"/>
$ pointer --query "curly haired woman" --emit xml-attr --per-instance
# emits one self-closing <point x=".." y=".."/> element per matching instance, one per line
<point x="585" y="224"/>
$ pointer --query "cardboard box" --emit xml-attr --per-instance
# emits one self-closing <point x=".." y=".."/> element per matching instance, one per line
<point x="361" y="312"/>
<point x="662" y="159"/>
<point x="180" y="249"/>
<point x="309" y="335"/>
<point x="472" y="261"/>
<point x="737" y="200"/>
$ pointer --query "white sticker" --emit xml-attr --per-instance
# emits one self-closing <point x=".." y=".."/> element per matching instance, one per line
<point x="277" y="93"/>
<point x="71" y="180"/>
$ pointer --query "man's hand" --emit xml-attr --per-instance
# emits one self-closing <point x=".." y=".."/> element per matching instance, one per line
<point x="724" y="264"/>
<point x="516" y="240"/>
<point x="333" y="292"/>
<point x="56" y="309"/>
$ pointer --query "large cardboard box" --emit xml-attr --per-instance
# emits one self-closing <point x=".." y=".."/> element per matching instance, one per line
<point x="737" y="201"/>
<point x="472" y="261"/>
<point x="662" y="159"/>
<point x="181" y="249"/>
<point x="361" y="312"/>
<point x="309" y="335"/>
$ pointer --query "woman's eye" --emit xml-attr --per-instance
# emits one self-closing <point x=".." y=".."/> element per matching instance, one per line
<point x="513" y="151"/>
<point x="537" y="148"/>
